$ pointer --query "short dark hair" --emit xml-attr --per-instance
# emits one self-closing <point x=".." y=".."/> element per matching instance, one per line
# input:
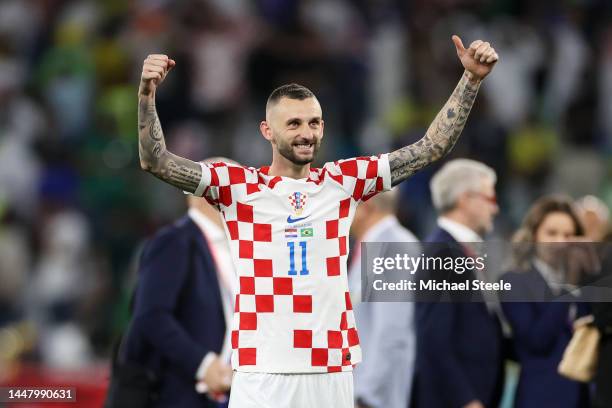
<point x="291" y="91"/>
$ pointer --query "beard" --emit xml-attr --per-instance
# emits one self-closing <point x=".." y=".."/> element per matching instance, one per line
<point x="287" y="150"/>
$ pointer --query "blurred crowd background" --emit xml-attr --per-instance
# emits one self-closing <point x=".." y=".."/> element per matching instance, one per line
<point x="75" y="206"/>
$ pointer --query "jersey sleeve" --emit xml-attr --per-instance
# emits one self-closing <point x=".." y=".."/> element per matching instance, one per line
<point x="362" y="177"/>
<point x="222" y="184"/>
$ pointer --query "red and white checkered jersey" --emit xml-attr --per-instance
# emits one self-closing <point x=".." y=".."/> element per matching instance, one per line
<point x="289" y="243"/>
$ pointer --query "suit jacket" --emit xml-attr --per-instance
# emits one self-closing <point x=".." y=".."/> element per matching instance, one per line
<point x="602" y="312"/>
<point x="603" y="378"/>
<point x="386" y="332"/>
<point x="459" y="344"/>
<point x="178" y="313"/>
<point x="541" y="332"/>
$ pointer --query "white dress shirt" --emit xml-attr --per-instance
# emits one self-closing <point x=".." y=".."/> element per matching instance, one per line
<point x="465" y="235"/>
<point x="556" y="282"/>
<point x="226" y="276"/>
<point x="386" y="331"/>
<point x="458" y="231"/>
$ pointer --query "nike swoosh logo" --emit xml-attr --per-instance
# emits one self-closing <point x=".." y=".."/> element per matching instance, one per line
<point x="292" y="220"/>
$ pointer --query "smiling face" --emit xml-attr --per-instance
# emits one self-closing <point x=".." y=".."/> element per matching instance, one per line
<point x="295" y="129"/>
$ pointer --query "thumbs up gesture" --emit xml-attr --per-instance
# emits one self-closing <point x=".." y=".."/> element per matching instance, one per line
<point x="479" y="59"/>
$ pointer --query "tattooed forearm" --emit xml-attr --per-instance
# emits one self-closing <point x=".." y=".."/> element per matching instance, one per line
<point x="180" y="174"/>
<point x="441" y="136"/>
<point x="155" y="158"/>
<point x="151" y="138"/>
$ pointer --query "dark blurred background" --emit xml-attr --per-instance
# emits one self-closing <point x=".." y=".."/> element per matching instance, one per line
<point x="75" y="206"/>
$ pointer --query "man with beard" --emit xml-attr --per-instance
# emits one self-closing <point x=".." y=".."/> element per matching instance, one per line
<point x="294" y="339"/>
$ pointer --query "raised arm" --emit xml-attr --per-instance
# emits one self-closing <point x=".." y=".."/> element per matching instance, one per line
<point x="478" y="60"/>
<point x="154" y="157"/>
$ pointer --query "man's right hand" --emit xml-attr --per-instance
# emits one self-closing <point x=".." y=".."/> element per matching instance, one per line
<point x="154" y="70"/>
<point x="218" y="376"/>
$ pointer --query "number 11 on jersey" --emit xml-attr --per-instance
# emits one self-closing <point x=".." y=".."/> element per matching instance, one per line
<point x="292" y="270"/>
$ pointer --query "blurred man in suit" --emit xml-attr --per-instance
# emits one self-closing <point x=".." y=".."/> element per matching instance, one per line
<point x="602" y="312"/>
<point x="384" y="378"/>
<point x="595" y="217"/>
<point x="183" y="308"/>
<point x="459" y="361"/>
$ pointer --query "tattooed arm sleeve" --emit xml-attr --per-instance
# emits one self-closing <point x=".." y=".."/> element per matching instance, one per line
<point x="441" y="135"/>
<point x="155" y="158"/>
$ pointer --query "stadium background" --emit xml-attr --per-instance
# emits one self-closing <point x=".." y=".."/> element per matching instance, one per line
<point x="75" y="206"/>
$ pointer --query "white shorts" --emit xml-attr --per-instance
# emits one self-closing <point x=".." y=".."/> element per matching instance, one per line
<point x="264" y="390"/>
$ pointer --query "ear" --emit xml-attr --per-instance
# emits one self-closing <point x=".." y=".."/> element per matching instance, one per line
<point x="462" y="199"/>
<point x="265" y="130"/>
<point x="322" y="128"/>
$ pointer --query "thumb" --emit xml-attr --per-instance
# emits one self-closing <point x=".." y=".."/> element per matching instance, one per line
<point x="171" y="64"/>
<point x="458" y="44"/>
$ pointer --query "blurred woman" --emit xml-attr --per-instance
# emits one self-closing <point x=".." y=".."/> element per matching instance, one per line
<point x="543" y="328"/>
